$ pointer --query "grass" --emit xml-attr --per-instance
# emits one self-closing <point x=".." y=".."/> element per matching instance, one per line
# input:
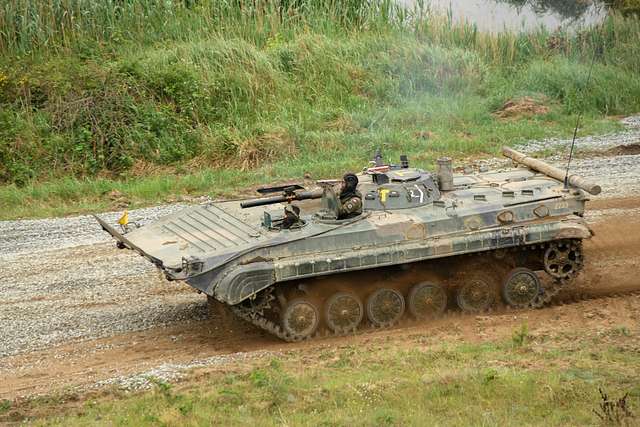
<point x="189" y="98"/>
<point x="544" y="380"/>
<point x="71" y="195"/>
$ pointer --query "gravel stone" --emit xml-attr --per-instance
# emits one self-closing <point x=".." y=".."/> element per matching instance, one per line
<point x="64" y="279"/>
<point x="173" y="372"/>
<point x="44" y="235"/>
<point x="588" y="143"/>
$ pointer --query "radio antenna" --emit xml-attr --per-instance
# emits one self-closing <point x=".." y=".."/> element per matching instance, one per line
<point x="575" y="130"/>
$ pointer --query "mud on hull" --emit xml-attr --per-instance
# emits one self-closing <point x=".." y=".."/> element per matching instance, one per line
<point x="239" y="282"/>
<point x="521" y="277"/>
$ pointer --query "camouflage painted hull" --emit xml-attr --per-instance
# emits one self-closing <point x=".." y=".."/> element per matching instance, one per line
<point x="216" y="248"/>
<point x="271" y="271"/>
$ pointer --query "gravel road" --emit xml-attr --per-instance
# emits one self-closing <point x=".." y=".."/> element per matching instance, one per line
<point x="613" y="159"/>
<point x="63" y="279"/>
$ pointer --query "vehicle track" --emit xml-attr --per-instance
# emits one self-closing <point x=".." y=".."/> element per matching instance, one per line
<point x="565" y="297"/>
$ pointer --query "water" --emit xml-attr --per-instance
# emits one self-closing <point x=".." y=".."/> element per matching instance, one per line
<point x="520" y="15"/>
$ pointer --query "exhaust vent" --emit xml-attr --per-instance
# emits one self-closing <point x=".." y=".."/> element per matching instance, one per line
<point x="445" y="174"/>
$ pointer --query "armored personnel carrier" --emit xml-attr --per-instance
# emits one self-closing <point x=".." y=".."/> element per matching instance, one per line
<point x="421" y="243"/>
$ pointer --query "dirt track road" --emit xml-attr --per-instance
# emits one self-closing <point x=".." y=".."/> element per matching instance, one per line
<point x="77" y="312"/>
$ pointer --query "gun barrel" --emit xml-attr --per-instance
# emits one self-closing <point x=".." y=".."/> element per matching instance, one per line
<point x="263" y="201"/>
<point x="551" y="171"/>
<point x="303" y="195"/>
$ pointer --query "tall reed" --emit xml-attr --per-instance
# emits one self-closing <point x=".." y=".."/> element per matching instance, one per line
<point x="28" y="26"/>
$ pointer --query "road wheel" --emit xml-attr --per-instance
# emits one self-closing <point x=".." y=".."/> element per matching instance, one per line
<point x="300" y="318"/>
<point x="520" y="288"/>
<point x="385" y="307"/>
<point x="427" y="300"/>
<point x="475" y="296"/>
<point x="343" y="312"/>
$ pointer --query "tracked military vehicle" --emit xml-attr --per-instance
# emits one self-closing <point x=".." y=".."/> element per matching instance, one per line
<point x="423" y="243"/>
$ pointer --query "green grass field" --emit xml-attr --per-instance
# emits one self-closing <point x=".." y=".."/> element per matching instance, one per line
<point x="159" y="100"/>
<point x="528" y="379"/>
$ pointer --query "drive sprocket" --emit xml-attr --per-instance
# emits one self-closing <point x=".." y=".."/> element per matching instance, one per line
<point x="564" y="259"/>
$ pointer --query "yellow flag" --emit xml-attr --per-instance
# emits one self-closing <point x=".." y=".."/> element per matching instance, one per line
<point x="383" y="194"/>
<point x="124" y="219"/>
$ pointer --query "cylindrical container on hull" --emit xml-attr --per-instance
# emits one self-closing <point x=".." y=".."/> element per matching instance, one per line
<point x="445" y="174"/>
<point x="552" y="171"/>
